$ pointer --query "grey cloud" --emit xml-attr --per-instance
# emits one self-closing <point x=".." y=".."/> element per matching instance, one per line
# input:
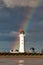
<point x="13" y="3"/>
<point x="34" y="40"/>
<point x="1" y="4"/>
<point x="12" y="33"/>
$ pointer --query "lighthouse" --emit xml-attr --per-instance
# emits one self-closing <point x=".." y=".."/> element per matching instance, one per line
<point x="21" y="42"/>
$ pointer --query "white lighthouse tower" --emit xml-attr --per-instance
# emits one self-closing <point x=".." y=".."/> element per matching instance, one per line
<point x="21" y="44"/>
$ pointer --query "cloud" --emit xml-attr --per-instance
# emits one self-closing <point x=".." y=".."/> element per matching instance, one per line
<point x="13" y="3"/>
<point x="12" y="33"/>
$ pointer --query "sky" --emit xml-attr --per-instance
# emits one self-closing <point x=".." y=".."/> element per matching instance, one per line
<point x="12" y="16"/>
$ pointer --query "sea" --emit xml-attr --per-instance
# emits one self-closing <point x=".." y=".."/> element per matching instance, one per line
<point x="26" y="61"/>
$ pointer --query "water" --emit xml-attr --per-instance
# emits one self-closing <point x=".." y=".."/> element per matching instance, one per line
<point x="29" y="61"/>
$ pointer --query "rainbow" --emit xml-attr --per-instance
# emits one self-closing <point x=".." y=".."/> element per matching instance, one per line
<point x="27" y="23"/>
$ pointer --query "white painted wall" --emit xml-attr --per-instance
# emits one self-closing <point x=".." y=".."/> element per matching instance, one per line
<point x="21" y="45"/>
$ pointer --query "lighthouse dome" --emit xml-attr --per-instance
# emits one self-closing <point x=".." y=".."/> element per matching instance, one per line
<point x="22" y="31"/>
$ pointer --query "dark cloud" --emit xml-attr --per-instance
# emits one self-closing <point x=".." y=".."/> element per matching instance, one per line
<point x="11" y="19"/>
